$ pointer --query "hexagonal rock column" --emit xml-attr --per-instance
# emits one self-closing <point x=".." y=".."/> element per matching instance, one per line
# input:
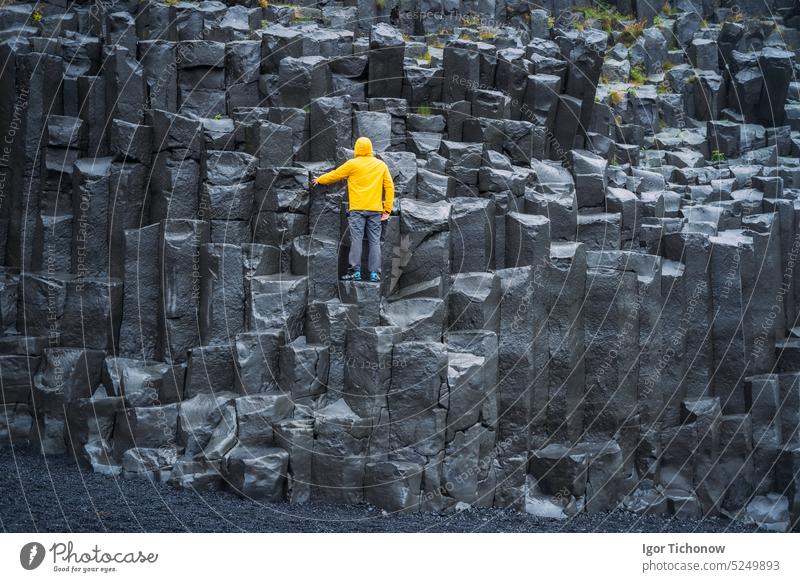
<point x="517" y="372"/>
<point x="366" y="297"/>
<point x="471" y="235"/>
<point x="175" y="174"/>
<point x="278" y="302"/>
<point x="327" y="324"/>
<point x="258" y="415"/>
<point x="178" y="313"/>
<point x="612" y="331"/>
<point x="705" y="414"/>
<point x="368" y="368"/>
<point x="303" y="370"/>
<point x="146" y="426"/>
<point x="92" y="313"/>
<point x="139" y="326"/>
<point x="256" y="361"/>
<point x="649" y="306"/>
<point x="424" y="243"/>
<point x="303" y="79"/>
<point x="221" y="292"/>
<point x="376" y="125"/>
<point x="90" y="425"/>
<point x="210" y="369"/>
<point x="297" y="437"/>
<point x="461" y="70"/>
<point x="316" y="258"/>
<point x="565" y="332"/>
<point x="331" y="127"/>
<point x="386" y="52"/>
<point x="484" y="344"/>
<point x="589" y="171"/>
<point x="64" y="375"/>
<point x="606" y="480"/>
<point x="600" y="230"/>
<point x="420" y="318"/>
<point x="258" y="472"/>
<point x="90" y="194"/>
<point x="789" y="415"/>
<point x="9" y="287"/>
<point x="465" y="469"/>
<point x="417" y="400"/>
<point x="207" y="426"/>
<point x="527" y="242"/>
<point x="474" y="302"/>
<point x="393" y="485"/>
<point x="340" y="454"/>
<point x="731" y="321"/>
<point x="672" y="365"/>
<point x="467" y="394"/>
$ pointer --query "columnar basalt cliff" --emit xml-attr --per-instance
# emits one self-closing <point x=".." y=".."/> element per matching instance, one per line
<point x="589" y="296"/>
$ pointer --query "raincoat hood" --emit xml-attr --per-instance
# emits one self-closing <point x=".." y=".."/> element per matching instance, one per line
<point x="363" y="147"/>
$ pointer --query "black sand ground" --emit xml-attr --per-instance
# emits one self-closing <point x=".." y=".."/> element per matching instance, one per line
<point x="54" y="494"/>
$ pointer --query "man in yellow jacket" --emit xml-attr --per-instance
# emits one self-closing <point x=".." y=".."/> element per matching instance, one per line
<point x="366" y="177"/>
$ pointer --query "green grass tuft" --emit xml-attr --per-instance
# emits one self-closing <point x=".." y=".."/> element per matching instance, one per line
<point x="638" y="76"/>
<point x="631" y="32"/>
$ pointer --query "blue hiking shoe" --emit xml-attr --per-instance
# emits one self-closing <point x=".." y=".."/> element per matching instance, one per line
<point x="352" y="275"/>
<point x="374" y="277"/>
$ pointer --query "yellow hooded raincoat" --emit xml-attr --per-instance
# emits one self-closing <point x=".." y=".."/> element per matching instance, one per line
<point x="366" y="177"/>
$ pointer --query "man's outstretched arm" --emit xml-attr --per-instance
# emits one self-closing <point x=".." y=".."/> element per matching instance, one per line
<point x="339" y="173"/>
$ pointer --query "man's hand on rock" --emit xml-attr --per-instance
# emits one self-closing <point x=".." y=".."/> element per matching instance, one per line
<point x="315" y="181"/>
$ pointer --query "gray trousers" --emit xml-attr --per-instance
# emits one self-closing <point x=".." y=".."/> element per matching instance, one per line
<point x="358" y="220"/>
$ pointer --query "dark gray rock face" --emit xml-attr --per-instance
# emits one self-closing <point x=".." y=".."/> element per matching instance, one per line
<point x="386" y="48"/>
<point x="588" y="292"/>
<point x="304" y="369"/>
<point x="258" y="473"/>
